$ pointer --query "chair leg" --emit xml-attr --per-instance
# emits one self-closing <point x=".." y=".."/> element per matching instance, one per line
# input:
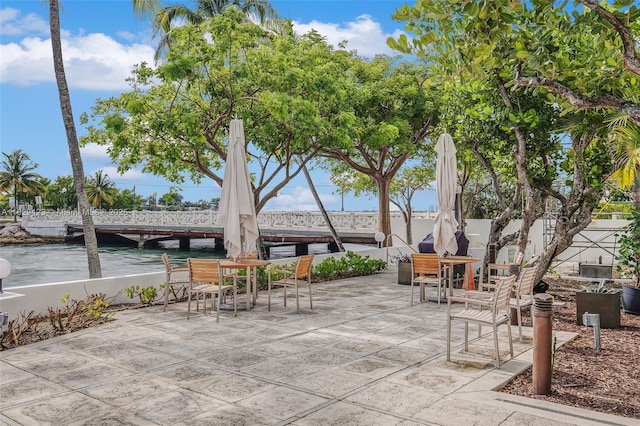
<point x="235" y="299"/>
<point x="411" y="302"/>
<point x="448" y="337"/>
<point x="466" y="336"/>
<point x="495" y="343"/>
<point x="219" y="303"/>
<point x="269" y="294"/>
<point x="285" y="296"/>
<point x="520" y="324"/>
<point x="310" y="297"/>
<point x="189" y="304"/>
<point x="510" y="340"/>
<point x="297" y="299"/>
<point x="166" y="296"/>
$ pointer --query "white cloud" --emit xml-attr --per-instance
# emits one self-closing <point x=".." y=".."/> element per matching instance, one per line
<point x="298" y="199"/>
<point x="94" y="61"/>
<point x="364" y="35"/>
<point x="115" y="176"/>
<point x="95" y="152"/>
<point x="11" y="23"/>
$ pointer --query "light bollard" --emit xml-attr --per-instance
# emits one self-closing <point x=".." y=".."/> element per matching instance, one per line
<point x="542" y="340"/>
<point x="593" y="320"/>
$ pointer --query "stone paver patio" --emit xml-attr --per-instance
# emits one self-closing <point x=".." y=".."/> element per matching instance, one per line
<point x="363" y="356"/>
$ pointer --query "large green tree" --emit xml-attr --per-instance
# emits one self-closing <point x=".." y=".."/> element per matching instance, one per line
<point x="174" y="121"/>
<point x="505" y="41"/>
<point x="18" y="177"/>
<point x="394" y="107"/>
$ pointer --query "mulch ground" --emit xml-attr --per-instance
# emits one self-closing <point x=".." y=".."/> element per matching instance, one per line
<point x="604" y="380"/>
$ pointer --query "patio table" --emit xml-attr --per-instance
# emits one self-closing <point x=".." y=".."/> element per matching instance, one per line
<point x="451" y="261"/>
<point x="251" y="266"/>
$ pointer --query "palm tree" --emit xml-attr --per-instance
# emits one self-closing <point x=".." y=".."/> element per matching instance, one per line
<point x="175" y="14"/>
<point x="18" y="177"/>
<point x="141" y="7"/>
<point x="101" y="189"/>
<point x="626" y="146"/>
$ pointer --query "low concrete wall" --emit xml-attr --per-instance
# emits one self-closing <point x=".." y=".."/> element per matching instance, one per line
<point x="39" y="297"/>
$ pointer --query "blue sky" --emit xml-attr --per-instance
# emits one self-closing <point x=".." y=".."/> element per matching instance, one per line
<point x="102" y="41"/>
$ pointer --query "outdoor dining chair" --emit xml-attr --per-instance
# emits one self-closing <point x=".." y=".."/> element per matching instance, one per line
<point x="426" y="269"/>
<point x="523" y="295"/>
<point x="490" y="308"/>
<point x="206" y="278"/>
<point x="496" y="271"/>
<point x="292" y="277"/>
<point x="233" y="273"/>
<point x="171" y="281"/>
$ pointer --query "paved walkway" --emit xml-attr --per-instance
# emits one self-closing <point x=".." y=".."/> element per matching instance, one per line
<point x="361" y="357"/>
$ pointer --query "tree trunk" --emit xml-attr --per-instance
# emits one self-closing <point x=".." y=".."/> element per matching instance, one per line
<point x="326" y="217"/>
<point x="409" y="226"/>
<point x="15" y="203"/>
<point x="90" y="239"/>
<point x="384" y="221"/>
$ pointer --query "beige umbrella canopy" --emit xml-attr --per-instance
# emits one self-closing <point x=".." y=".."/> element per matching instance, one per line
<point x="445" y="223"/>
<point x="237" y="212"/>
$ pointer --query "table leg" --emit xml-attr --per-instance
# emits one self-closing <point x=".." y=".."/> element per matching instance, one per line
<point x="255" y="284"/>
<point x="450" y="280"/>
<point x="248" y="289"/>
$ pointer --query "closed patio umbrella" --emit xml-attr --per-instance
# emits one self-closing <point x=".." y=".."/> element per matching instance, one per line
<point x="237" y="212"/>
<point x="445" y="223"/>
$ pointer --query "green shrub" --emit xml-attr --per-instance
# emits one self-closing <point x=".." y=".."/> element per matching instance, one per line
<point x="350" y="265"/>
<point x="145" y="294"/>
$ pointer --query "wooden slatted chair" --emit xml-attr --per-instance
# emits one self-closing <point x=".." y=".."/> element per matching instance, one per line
<point x="172" y="281"/>
<point x="496" y="271"/>
<point x="492" y="309"/>
<point x="426" y="269"/>
<point x="523" y="295"/>
<point x="293" y="278"/>
<point x="206" y="278"/>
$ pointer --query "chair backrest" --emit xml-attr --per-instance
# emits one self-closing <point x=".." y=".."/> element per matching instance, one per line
<point x="518" y="259"/>
<point x="426" y="264"/>
<point x="166" y="261"/>
<point x="502" y="295"/>
<point x="525" y="282"/>
<point x="303" y="267"/>
<point x="250" y="255"/>
<point x="204" y="270"/>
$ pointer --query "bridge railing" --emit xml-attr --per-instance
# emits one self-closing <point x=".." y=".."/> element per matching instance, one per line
<point x="365" y="222"/>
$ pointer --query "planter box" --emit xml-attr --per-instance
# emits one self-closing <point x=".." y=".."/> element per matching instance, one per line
<point x="595" y="270"/>
<point x="605" y="304"/>
<point x="631" y="299"/>
<point x="404" y="273"/>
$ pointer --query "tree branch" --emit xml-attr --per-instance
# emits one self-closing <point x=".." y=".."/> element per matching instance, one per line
<point x="631" y="61"/>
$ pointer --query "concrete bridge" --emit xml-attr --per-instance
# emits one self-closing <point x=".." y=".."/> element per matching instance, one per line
<point x="146" y="228"/>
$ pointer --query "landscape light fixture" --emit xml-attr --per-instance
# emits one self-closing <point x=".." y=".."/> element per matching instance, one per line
<point x="379" y="237"/>
<point x="5" y="270"/>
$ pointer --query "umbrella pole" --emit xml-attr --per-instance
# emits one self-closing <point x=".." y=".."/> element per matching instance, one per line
<point x="262" y="249"/>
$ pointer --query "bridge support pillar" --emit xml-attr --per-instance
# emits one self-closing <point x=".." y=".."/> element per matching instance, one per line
<point x="333" y="247"/>
<point x="302" y="249"/>
<point x="185" y="243"/>
<point x="142" y="241"/>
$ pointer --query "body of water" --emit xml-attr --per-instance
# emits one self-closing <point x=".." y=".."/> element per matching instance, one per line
<point x="48" y="263"/>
